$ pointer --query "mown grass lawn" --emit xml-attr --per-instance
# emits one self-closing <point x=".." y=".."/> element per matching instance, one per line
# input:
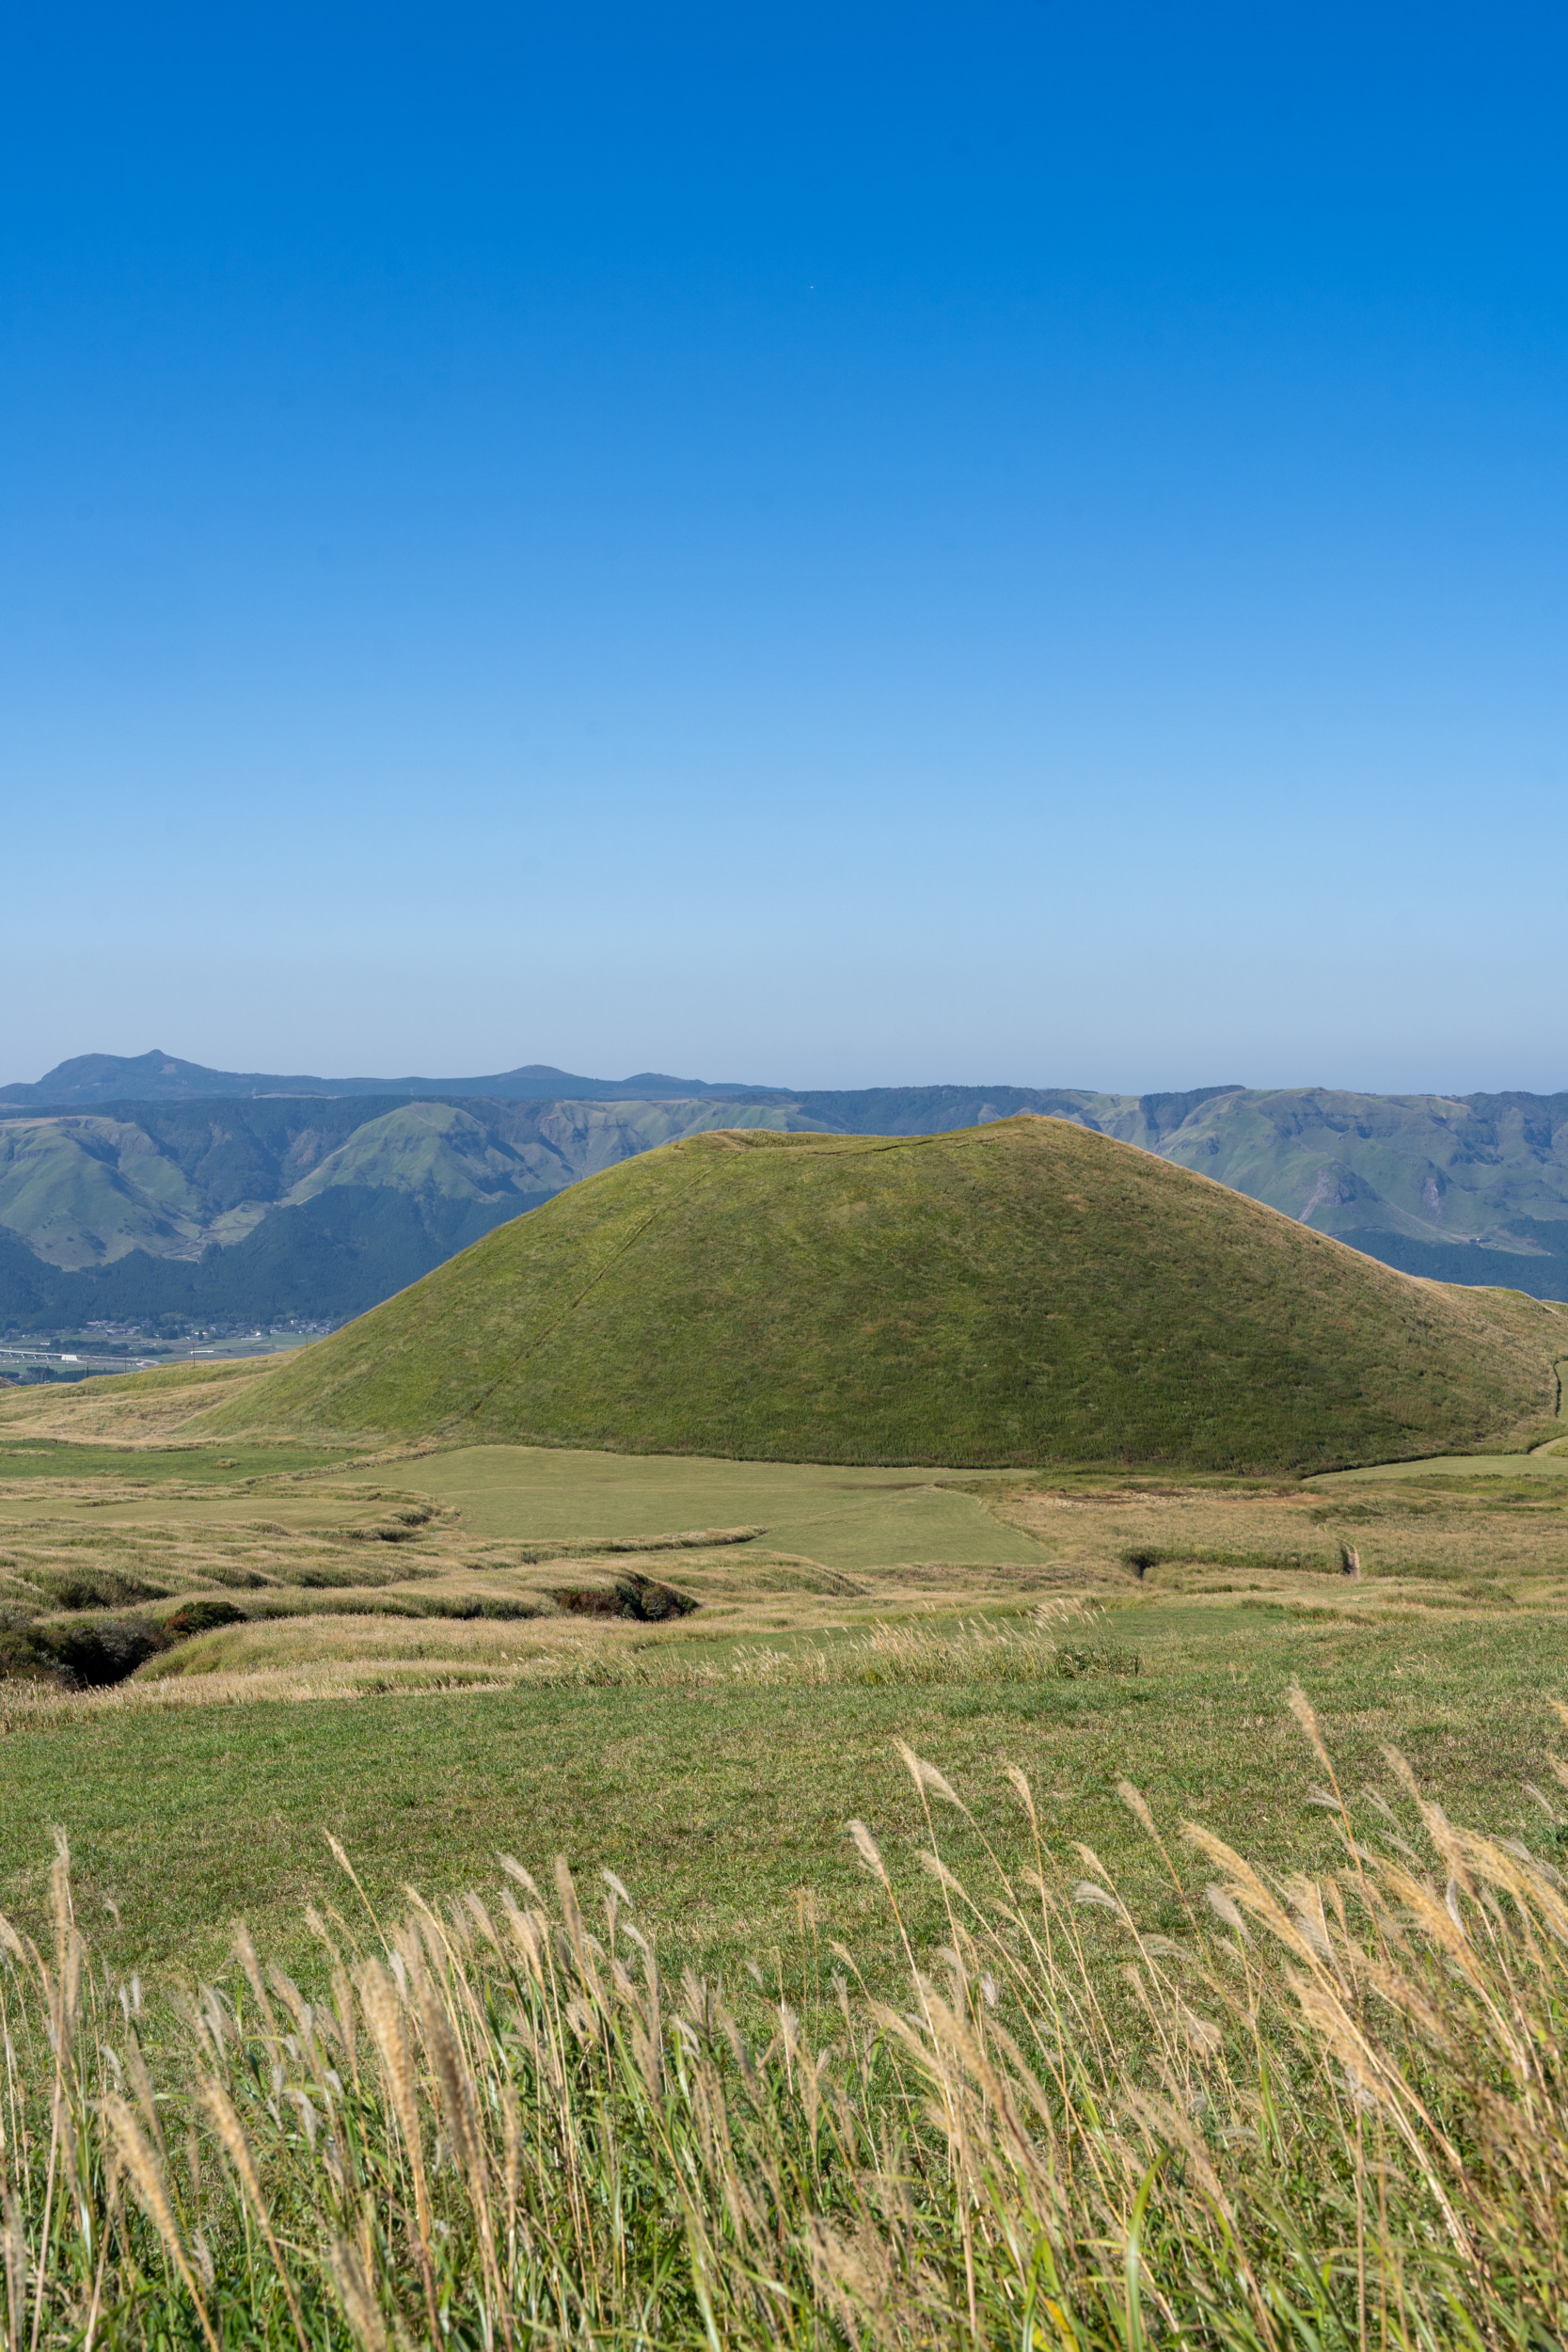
<point x="845" y="1518"/>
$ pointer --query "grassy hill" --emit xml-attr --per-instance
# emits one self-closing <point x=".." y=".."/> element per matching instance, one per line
<point x="1022" y="1291"/>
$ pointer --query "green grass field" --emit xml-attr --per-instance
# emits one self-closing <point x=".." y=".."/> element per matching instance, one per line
<point x="217" y="1467"/>
<point x="715" y="1809"/>
<point x="844" y="1518"/>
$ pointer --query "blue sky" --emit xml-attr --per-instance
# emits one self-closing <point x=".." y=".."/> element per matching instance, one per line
<point x="833" y="546"/>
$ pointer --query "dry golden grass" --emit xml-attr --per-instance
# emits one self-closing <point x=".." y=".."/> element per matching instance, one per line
<point x="155" y="1551"/>
<point x="27" y="1704"/>
<point x="352" y="1588"/>
<point x="139" y="1408"/>
<point x="309" y="1658"/>
<point x="1313" y="2106"/>
<point x="1418" y="1543"/>
<point x="339" y="1574"/>
<point x="1316" y="2108"/>
<point x="347" y="1585"/>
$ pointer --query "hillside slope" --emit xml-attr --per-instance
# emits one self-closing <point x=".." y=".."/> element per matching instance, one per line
<point x="1023" y="1291"/>
<point x="1401" y="1175"/>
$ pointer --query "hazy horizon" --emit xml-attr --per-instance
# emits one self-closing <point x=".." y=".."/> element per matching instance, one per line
<point x="808" y="1085"/>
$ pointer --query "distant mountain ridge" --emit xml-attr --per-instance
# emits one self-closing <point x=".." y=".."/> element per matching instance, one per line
<point x="91" y="1080"/>
<point x="273" y="1199"/>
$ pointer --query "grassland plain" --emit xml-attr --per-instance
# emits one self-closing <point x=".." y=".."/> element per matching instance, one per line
<point x="399" y="1670"/>
<point x="1020" y="1293"/>
<point x="406" y="1668"/>
<point x="722" y="1805"/>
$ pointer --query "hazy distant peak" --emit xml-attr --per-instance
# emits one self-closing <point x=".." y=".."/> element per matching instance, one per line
<point x="91" y="1078"/>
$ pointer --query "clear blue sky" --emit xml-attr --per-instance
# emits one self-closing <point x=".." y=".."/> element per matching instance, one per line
<point x="838" y="544"/>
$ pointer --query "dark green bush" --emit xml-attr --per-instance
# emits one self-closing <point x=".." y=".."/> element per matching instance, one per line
<point x="201" y="1616"/>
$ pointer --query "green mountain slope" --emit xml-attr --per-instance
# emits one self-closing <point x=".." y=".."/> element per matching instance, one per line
<point x="1461" y="1189"/>
<point x="423" y="1148"/>
<point x="153" y="1193"/>
<point x="1024" y="1291"/>
<point x="327" y="1259"/>
<point x="84" y="1191"/>
<point x="1446" y="1173"/>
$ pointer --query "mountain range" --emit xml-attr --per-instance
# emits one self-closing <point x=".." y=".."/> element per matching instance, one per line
<point x="91" y="1080"/>
<point x="234" y="1196"/>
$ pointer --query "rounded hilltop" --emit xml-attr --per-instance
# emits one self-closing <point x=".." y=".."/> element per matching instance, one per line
<point x="1022" y="1293"/>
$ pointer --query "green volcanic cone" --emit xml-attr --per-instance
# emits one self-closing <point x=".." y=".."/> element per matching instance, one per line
<point x="1022" y="1293"/>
